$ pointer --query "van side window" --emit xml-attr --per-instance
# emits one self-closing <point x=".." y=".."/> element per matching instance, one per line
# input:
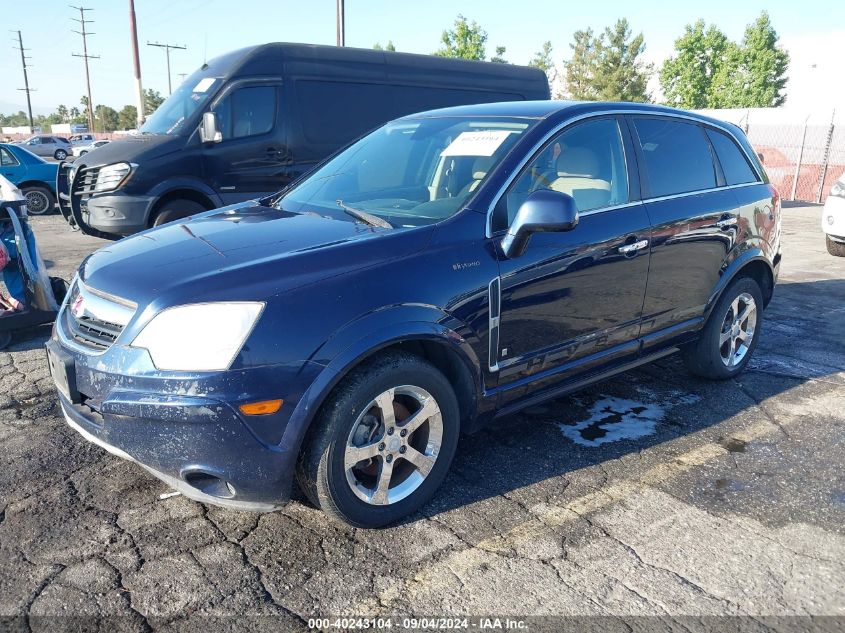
<point x="677" y="156"/>
<point x="247" y="111"/>
<point x="734" y="163"/>
<point x="586" y="161"/>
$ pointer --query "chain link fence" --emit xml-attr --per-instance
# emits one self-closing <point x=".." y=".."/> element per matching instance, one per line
<point x="803" y="152"/>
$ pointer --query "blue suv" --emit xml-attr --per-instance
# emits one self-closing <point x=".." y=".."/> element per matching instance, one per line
<point x="449" y="268"/>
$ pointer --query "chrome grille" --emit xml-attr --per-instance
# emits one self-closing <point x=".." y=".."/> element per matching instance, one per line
<point x="85" y="182"/>
<point x="94" y="320"/>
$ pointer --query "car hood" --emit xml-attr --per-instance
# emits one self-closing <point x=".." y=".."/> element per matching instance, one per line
<point x="132" y="149"/>
<point x="245" y="252"/>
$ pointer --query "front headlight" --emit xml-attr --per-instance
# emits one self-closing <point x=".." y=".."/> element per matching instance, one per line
<point x="111" y="177"/>
<point x="838" y="189"/>
<point x="198" y="337"/>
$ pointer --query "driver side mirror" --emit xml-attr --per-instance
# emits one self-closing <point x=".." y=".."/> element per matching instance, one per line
<point x="544" y="211"/>
<point x="208" y="129"/>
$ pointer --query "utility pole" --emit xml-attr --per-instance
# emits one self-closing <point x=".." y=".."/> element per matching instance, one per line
<point x="341" y="24"/>
<point x="25" y="79"/>
<point x="84" y="33"/>
<point x="167" y="48"/>
<point x="139" y="91"/>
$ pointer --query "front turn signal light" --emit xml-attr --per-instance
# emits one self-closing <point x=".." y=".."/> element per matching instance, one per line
<point x="265" y="407"/>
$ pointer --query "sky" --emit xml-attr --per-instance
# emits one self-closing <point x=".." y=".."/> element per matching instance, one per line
<point x="208" y="28"/>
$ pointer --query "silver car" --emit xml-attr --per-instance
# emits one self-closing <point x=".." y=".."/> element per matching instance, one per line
<point x="43" y="145"/>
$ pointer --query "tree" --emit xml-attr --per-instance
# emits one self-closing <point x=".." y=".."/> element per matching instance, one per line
<point x="128" y="118"/>
<point x="465" y="41"/>
<point x="543" y="60"/>
<point x="62" y="113"/>
<point x="75" y="115"/>
<point x="499" y="57"/>
<point x="608" y="67"/>
<point x="621" y="75"/>
<point x="106" y="119"/>
<point x="152" y="100"/>
<point x="754" y="73"/>
<point x="387" y="47"/>
<point x="581" y="67"/>
<point x="687" y="78"/>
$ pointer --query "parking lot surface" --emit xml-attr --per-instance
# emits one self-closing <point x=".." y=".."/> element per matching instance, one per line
<point x="654" y="494"/>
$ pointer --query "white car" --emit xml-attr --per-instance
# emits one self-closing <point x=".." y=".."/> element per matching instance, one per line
<point x="84" y="149"/>
<point x="833" y="218"/>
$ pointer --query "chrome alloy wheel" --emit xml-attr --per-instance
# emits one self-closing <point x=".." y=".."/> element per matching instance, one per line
<point x="393" y="445"/>
<point x="738" y="330"/>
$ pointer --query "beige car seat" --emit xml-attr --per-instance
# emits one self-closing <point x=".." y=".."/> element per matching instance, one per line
<point x="480" y="168"/>
<point x="578" y="175"/>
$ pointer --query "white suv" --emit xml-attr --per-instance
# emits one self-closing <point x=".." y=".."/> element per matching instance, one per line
<point x="833" y="218"/>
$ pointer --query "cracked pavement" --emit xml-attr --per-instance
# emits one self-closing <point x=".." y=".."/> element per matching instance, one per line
<point x="685" y="498"/>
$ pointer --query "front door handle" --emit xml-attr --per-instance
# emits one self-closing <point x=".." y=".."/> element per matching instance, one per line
<point x="726" y="222"/>
<point x="627" y="249"/>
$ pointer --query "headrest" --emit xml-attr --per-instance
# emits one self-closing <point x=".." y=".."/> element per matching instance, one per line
<point x="481" y="166"/>
<point x="578" y="161"/>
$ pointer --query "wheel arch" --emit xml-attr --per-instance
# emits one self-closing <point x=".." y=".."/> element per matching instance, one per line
<point x="440" y="345"/>
<point x="179" y="194"/>
<point x="753" y="263"/>
<point x="37" y="183"/>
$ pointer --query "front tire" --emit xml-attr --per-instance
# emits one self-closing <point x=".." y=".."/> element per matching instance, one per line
<point x="730" y="335"/>
<point x="834" y="247"/>
<point x="60" y="154"/>
<point x="382" y="443"/>
<point x="39" y="200"/>
<point x="177" y="210"/>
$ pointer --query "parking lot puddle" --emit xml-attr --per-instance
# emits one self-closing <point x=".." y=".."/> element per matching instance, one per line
<point x="613" y="419"/>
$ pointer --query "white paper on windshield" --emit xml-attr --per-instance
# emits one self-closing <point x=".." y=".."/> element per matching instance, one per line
<point x="204" y="84"/>
<point x="481" y="143"/>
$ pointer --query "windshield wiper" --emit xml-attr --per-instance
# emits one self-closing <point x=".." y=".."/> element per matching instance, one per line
<point x="367" y="218"/>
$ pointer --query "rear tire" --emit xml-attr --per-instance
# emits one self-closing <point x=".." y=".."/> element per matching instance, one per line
<point x="367" y="468"/>
<point x="60" y="154"/>
<point x="834" y="247"/>
<point x="39" y="200"/>
<point x="177" y="210"/>
<point x="730" y="335"/>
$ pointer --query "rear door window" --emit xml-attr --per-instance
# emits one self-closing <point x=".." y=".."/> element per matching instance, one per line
<point x="6" y="158"/>
<point x="676" y="155"/>
<point x="734" y="164"/>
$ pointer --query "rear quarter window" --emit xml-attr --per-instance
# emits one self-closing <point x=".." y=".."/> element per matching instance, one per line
<point x="734" y="164"/>
<point x="676" y="155"/>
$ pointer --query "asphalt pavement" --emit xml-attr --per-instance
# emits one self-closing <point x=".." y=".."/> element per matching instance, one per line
<point x="652" y="500"/>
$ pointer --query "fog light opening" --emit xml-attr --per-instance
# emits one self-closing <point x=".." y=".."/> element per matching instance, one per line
<point x="209" y="484"/>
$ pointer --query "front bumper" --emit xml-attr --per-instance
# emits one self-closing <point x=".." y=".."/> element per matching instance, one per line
<point x="833" y="217"/>
<point x="110" y="215"/>
<point x="185" y="429"/>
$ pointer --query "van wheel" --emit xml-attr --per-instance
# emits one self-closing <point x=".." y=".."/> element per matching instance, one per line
<point x="39" y="200"/>
<point x="834" y="247"/>
<point x="60" y="154"/>
<point x="177" y="210"/>
<point x="731" y="333"/>
<point x="382" y="443"/>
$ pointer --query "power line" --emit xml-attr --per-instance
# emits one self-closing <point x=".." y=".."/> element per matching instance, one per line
<point x="84" y="33"/>
<point x="25" y="78"/>
<point x="167" y="48"/>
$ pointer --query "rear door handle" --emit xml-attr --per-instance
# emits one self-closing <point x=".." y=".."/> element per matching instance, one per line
<point x="726" y="222"/>
<point x="627" y="249"/>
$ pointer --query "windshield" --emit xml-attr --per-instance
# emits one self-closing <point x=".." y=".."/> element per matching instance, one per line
<point x="409" y="172"/>
<point x="178" y="109"/>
